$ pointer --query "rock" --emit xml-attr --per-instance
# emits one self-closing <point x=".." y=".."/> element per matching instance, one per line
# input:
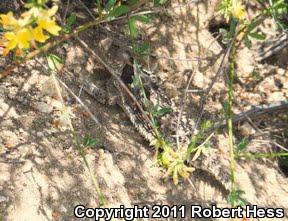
<point x="267" y="85"/>
<point x="281" y="71"/>
<point x="106" y="43"/>
<point x="10" y="139"/>
<point x="171" y="90"/>
<point x="3" y="199"/>
<point x="39" y="134"/>
<point x="26" y="150"/>
<point x="246" y="130"/>
<point x="56" y="104"/>
<point x="43" y="107"/>
<point x="245" y="65"/>
<point x="6" y="110"/>
<point x="276" y="96"/>
<point x="48" y="88"/>
<point x="62" y="209"/>
<point x="198" y="80"/>
<point x="7" y="123"/>
<point x="26" y="121"/>
<point x="75" y="56"/>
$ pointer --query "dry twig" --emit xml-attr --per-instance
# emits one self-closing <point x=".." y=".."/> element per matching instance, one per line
<point x="182" y="106"/>
<point x="93" y="117"/>
<point x="115" y="75"/>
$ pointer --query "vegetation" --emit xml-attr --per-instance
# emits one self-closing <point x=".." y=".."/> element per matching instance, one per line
<point x="27" y="35"/>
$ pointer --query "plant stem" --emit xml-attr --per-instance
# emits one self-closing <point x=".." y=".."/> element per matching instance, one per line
<point x="102" y="198"/>
<point x="61" y="39"/>
<point x="262" y="155"/>
<point x="229" y="108"/>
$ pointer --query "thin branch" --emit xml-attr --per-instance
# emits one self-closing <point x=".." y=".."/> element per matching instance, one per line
<point x="204" y="97"/>
<point x="12" y="161"/>
<point x="178" y="59"/>
<point x="93" y="117"/>
<point x="206" y="140"/>
<point x="115" y="75"/>
<point x="182" y="106"/>
<point x="101" y="196"/>
<point x="48" y="46"/>
<point x="87" y="9"/>
<point x="66" y="11"/>
<point x="79" y="29"/>
<point x="65" y="37"/>
<point x="256" y="112"/>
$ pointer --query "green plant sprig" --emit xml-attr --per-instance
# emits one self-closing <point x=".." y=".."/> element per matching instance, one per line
<point x="252" y="156"/>
<point x="110" y="17"/>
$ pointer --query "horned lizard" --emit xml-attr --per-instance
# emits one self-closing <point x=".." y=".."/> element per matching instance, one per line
<point x="112" y="93"/>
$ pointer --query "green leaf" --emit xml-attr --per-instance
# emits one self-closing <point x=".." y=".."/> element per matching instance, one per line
<point x="71" y="19"/>
<point x="257" y="36"/>
<point x="109" y="5"/>
<point x="122" y="9"/>
<point x="192" y="145"/>
<point x="35" y="3"/>
<point x="69" y="22"/>
<point x="235" y="198"/>
<point x="142" y="49"/>
<point x="252" y="25"/>
<point x="247" y="42"/>
<point x="207" y="146"/>
<point x="285" y="132"/>
<point x="206" y="125"/>
<point x="160" y="2"/>
<point x="225" y="108"/>
<point x="242" y="144"/>
<point x="136" y="82"/>
<point x="255" y="75"/>
<point x="132" y="2"/>
<point x="225" y="35"/>
<point x="132" y="28"/>
<point x="154" y="123"/>
<point x="54" y="62"/>
<point x="161" y="111"/>
<point x="142" y="18"/>
<point x="88" y="142"/>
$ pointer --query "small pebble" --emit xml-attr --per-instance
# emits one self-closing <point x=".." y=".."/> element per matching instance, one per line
<point x="39" y="134"/>
<point x="63" y="209"/>
<point x="3" y="199"/>
<point x="43" y="107"/>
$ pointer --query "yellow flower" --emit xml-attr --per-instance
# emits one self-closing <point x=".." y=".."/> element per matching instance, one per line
<point x="52" y="11"/>
<point x="8" y="21"/>
<point x="38" y="35"/>
<point x="21" y="39"/>
<point x="33" y="12"/>
<point x="175" y="175"/>
<point x="28" y="29"/>
<point x="185" y="171"/>
<point x="23" y="21"/>
<point x="49" y="25"/>
<point x="166" y="159"/>
<point x="238" y="10"/>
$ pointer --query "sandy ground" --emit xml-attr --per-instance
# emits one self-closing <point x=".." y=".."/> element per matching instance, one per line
<point x="42" y="175"/>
